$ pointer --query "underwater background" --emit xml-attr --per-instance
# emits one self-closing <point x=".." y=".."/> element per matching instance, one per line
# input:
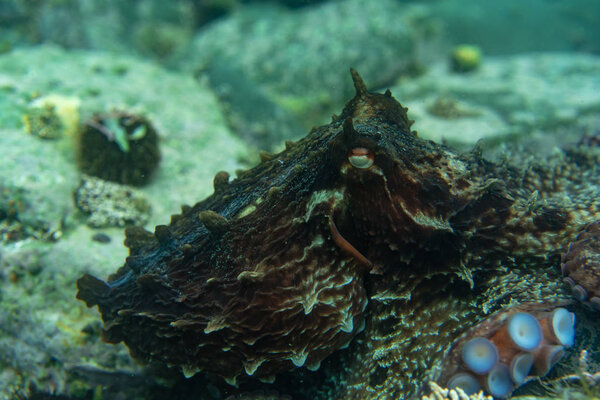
<point x="116" y="113"/>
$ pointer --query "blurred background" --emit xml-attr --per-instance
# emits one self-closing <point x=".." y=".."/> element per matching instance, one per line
<point x="287" y="61"/>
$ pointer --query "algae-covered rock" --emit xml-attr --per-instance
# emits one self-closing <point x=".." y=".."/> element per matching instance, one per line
<point x="110" y="204"/>
<point x="301" y="57"/>
<point x="43" y="122"/>
<point x="192" y="129"/>
<point x="249" y="111"/>
<point x="508" y="96"/>
<point x="35" y="174"/>
<point x="46" y="337"/>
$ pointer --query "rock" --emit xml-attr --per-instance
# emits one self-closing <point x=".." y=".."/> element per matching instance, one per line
<point x="250" y="112"/>
<point x="301" y="57"/>
<point x="509" y="96"/>
<point x="41" y="338"/>
<point x="194" y="135"/>
<point x="110" y="204"/>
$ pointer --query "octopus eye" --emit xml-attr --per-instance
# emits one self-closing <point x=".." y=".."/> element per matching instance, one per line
<point x="360" y="157"/>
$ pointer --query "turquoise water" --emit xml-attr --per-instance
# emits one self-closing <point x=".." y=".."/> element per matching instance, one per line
<point x="115" y="114"/>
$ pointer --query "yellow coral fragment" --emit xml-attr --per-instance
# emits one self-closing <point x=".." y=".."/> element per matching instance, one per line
<point x="66" y="109"/>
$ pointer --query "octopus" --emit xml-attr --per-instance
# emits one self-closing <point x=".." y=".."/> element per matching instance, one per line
<point x="365" y="258"/>
<point x="581" y="265"/>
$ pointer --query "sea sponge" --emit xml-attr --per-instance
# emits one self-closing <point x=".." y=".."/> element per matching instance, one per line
<point x="119" y="147"/>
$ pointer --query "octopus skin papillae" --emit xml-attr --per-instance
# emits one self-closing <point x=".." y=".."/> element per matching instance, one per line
<point x="368" y="260"/>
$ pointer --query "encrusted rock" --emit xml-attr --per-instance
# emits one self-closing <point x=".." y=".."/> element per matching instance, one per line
<point x="15" y="225"/>
<point x="43" y="122"/>
<point x="110" y="204"/>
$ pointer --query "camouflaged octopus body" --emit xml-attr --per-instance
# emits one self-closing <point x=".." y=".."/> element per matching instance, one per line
<point x="360" y="230"/>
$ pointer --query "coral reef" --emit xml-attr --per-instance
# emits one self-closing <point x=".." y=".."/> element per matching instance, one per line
<point x="110" y="204"/>
<point x="360" y="229"/>
<point x="120" y="147"/>
<point x="581" y="265"/>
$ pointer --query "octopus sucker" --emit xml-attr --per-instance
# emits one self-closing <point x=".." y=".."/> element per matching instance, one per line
<point x="581" y="266"/>
<point x="508" y="348"/>
<point x="375" y="258"/>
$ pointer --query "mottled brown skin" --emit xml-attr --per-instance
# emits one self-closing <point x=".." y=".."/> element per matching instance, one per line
<point x="289" y="262"/>
<point x="581" y="265"/>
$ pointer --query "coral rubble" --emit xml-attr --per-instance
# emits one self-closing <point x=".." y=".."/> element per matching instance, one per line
<point x="43" y="122"/>
<point x="361" y="230"/>
<point x="110" y="204"/>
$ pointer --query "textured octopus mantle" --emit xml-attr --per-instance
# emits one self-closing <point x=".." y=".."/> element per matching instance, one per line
<point x="360" y="230"/>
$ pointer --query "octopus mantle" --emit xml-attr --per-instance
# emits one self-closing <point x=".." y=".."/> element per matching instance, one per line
<point x="361" y="230"/>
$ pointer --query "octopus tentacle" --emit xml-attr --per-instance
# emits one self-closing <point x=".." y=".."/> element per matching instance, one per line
<point x="581" y="265"/>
